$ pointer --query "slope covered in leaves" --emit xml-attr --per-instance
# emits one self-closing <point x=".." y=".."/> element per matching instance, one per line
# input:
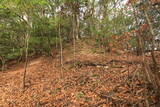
<point x="93" y="79"/>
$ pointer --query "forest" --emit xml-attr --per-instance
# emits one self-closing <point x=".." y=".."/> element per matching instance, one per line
<point x="79" y="53"/>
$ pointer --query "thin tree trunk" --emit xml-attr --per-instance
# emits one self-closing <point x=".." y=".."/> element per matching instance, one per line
<point x="156" y="75"/>
<point x="92" y="16"/>
<point x="152" y="78"/>
<point x="153" y="39"/>
<point x="57" y="37"/>
<point x="49" y="46"/>
<point x="61" y="47"/>
<point x="141" y="46"/>
<point x="3" y="63"/>
<point x="77" y="27"/>
<point x="26" y="61"/>
<point x="74" y="39"/>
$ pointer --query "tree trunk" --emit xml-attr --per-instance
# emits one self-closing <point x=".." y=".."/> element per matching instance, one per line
<point x="153" y="40"/>
<point x="74" y="39"/>
<point x="156" y="75"/>
<point x="61" y="46"/>
<point x="26" y="60"/>
<point x="3" y="63"/>
<point x="141" y="46"/>
<point x="77" y="26"/>
<point x="49" y="46"/>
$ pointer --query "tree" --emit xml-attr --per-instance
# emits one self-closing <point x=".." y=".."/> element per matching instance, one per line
<point x="142" y="8"/>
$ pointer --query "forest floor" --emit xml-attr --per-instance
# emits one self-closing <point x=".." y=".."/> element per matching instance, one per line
<point x="96" y="79"/>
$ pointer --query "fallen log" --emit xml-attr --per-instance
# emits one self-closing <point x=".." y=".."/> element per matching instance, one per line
<point x="98" y="64"/>
<point x="124" y="61"/>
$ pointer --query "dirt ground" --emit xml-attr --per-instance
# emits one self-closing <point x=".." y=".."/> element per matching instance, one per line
<point x="92" y="79"/>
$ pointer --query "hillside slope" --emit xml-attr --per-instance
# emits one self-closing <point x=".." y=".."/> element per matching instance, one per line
<point x="97" y="80"/>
